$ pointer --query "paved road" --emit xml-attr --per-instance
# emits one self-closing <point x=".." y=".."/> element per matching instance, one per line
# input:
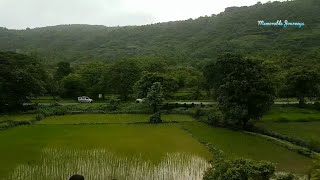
<point x="206" y="103"/>
<point x="178" y="102"/>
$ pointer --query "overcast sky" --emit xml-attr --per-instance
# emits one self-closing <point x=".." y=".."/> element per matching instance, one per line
<point x="20" y="14"/>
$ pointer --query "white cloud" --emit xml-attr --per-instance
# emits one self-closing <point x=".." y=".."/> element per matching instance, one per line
<point x="37" y="13"/>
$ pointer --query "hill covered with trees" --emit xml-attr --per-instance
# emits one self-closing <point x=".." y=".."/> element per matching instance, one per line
<point x="191" y="41"/>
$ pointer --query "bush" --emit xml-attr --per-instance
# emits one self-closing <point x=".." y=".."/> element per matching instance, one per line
<point x="181" y="110"/>
<point x="155" y="118"/>
<point x="240" y="169"/>
<point x="215" y="118"/>
<point x="114" y="104"/>
<point x="284" y="176"/>
<point x="135" y="108"/>
<point x="9" y="124"/>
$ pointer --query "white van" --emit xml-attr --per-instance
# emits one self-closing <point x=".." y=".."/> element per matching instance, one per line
<point x="140" y="100"/>
<point x="84" y="99"/>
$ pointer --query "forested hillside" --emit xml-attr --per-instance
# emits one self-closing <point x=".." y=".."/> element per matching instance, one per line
<point x="191" y="41"/>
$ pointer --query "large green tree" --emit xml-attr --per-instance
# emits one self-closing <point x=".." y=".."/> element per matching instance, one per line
<point x="73" y="86"/>
<point x="21" y="77"/>
<point x="144" y="84"/>
<point x="302" y="82"/>
<point x="155" y="96"/>
<point x="92" y="76"/>
<point x="122" y="76"/>
<point x="242" y="87"/>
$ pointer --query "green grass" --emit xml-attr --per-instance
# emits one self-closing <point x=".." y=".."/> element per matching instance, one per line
<point x="24" y="144"/>
<point x="110" y="118"/>
<point x="17" y="117"/>
<point x="303" y="130"/>
<point x="292" y="121"/>
<point x="291" y="114"/>
<point x="239" y="144"/>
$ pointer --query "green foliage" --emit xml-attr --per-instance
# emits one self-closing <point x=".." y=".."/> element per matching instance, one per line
<point x="196" y="93"/>
<point x="73" y="86"/>
<point x="315" y="170"/>
<point x="155" y="96"/>
<point x="143" y="86"/>
<point x="284" y="176"/>
<point x="21" y="77"/>
<point x="63" y="70"/>
<point x="243" y="88"/>
<point x="155" y="118"/>
<point x="135" y="108"/>
<point x="189" y="41"/>
<point x="215" y="118"/>
<point x="187" y="77"/>
<point x="122" y="76"/>
<point x="53" y="87"/>
<point x="302" y="82"/>
<point x="240" y="169"/>
<point x="92" y="76"/>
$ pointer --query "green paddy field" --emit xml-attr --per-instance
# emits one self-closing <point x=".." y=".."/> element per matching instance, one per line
<point x="106" y="146"/>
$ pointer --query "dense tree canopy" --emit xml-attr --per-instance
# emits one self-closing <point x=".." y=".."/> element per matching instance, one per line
<point x="243" y="89"/>
<point x="155" y="96"/>
<point x="189" y="41"/>
<point x="73" y="86"/>
<point x="21" y="77"/>
<point x="143" y="86"/>
<point x="123" y="75"/>
<point x="63" y="70"/>
<point x="301" y="82"/>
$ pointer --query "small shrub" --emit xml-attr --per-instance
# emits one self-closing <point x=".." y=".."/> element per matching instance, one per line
<point x="215" y="118"/>
<point x="39" y="117"/>
<point x="240" y="169"/>
<point x="155" y="118"/>
<point x="198" y="112"/>
<point x="135" y="108"/>
<point x="114" y="104"/>
<point x="181" y="110"/>
<point x="284" y="176"/>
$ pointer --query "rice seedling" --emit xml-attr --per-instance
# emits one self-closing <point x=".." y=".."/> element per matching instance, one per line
<point x="97" y="164"/>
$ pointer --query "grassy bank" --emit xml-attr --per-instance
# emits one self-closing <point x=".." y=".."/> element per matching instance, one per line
<point x="239" y="144"/>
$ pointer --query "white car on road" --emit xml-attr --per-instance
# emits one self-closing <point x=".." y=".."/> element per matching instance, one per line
<point x="84" y="99"/>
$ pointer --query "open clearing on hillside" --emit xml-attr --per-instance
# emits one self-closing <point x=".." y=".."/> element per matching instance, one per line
<point x="239" y="144"/>
<point x="26" y="147"/>
<point x="110" y="118"/>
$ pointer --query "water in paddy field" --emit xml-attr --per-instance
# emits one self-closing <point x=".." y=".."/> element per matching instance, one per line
<point x="59" y="164"/>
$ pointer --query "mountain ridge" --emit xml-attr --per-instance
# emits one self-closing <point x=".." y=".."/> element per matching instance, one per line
<point x="234" y="30"/>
